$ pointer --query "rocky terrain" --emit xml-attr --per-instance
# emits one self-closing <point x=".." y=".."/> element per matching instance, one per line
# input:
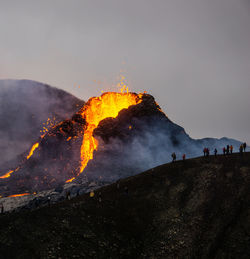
<point x="198" y="208"/>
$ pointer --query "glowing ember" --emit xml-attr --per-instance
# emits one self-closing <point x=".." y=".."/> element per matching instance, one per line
<point x="50" y="123"/>
<point x="34" y="147"/>
<point x="96" y="109"/>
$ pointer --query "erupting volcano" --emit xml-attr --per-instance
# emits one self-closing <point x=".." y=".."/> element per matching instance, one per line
<point x="112" y="136"/>
<point x="97" y="109"/>
<point x="108" y="105"/>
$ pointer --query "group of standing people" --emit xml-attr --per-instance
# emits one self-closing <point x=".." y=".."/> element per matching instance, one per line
<point x="243" y="147"/>
<point x="206" y="151"/>
<point x="226" y="151"/>
<point x="174" y="157"/>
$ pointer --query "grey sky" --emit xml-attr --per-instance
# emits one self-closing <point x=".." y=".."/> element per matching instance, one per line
<point x="193" y="56"/>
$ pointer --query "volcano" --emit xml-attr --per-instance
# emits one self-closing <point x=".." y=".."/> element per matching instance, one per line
<point x="110" y="137"/>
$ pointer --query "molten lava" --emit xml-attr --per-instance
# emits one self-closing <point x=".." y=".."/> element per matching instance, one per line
<point x="96" y="109"/>
<point x="7" y="174"/>
<point x="34" y="147"/>
<point x="19" y="195"/>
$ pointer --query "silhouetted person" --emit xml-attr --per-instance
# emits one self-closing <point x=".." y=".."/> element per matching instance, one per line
<point x="215" y="152"/>
<point x="207" y="151"/>
<point x="227" y="149"/>
<point x="241" y="149"/>
<point x="224" y="151"/>
<point x="204" y="151"/>
<point x="173" y="157"/>
<point x="244" y="146"/>
<point x="184" y="157"/>
<point x="231" y="149"/>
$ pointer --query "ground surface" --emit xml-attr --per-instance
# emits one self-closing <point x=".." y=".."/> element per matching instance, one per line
<point x="193" y="209"/>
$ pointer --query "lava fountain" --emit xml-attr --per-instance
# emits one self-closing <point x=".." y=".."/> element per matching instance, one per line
<point x="108" y="105"/>
<point x="96" y="109"/>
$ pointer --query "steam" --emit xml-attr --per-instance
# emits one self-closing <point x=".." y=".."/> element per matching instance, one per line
<point x="148" y="148"/>
<point x="24" y="108"/>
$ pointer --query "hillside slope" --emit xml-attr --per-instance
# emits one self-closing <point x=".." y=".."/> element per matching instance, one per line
<point x="25" y="106"/>
<point x="193" y="209"/>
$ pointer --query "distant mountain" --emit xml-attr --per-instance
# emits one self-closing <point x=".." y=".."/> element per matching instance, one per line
<point x="25" y="107"/>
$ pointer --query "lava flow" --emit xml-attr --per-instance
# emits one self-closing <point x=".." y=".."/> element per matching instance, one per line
<point x="19" y="195"/>
<point x="34" y="147"/>
<point x="96" y="109"/>
<point x="8" y="174"/>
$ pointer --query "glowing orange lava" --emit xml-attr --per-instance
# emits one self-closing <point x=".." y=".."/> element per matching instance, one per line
<point x="7" y="174"/>
<point x="96" y="109"/>
<point x="34" y="147"/>
<point x="19" y="195"/>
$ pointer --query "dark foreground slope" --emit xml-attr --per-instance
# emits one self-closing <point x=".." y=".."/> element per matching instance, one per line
<point x="193" y="209"/>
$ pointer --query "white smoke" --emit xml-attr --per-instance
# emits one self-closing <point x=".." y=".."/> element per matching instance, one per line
<point x="24" y="107"/>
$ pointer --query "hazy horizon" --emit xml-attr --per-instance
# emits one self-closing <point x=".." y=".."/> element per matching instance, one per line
<point x="193" y="57"/>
